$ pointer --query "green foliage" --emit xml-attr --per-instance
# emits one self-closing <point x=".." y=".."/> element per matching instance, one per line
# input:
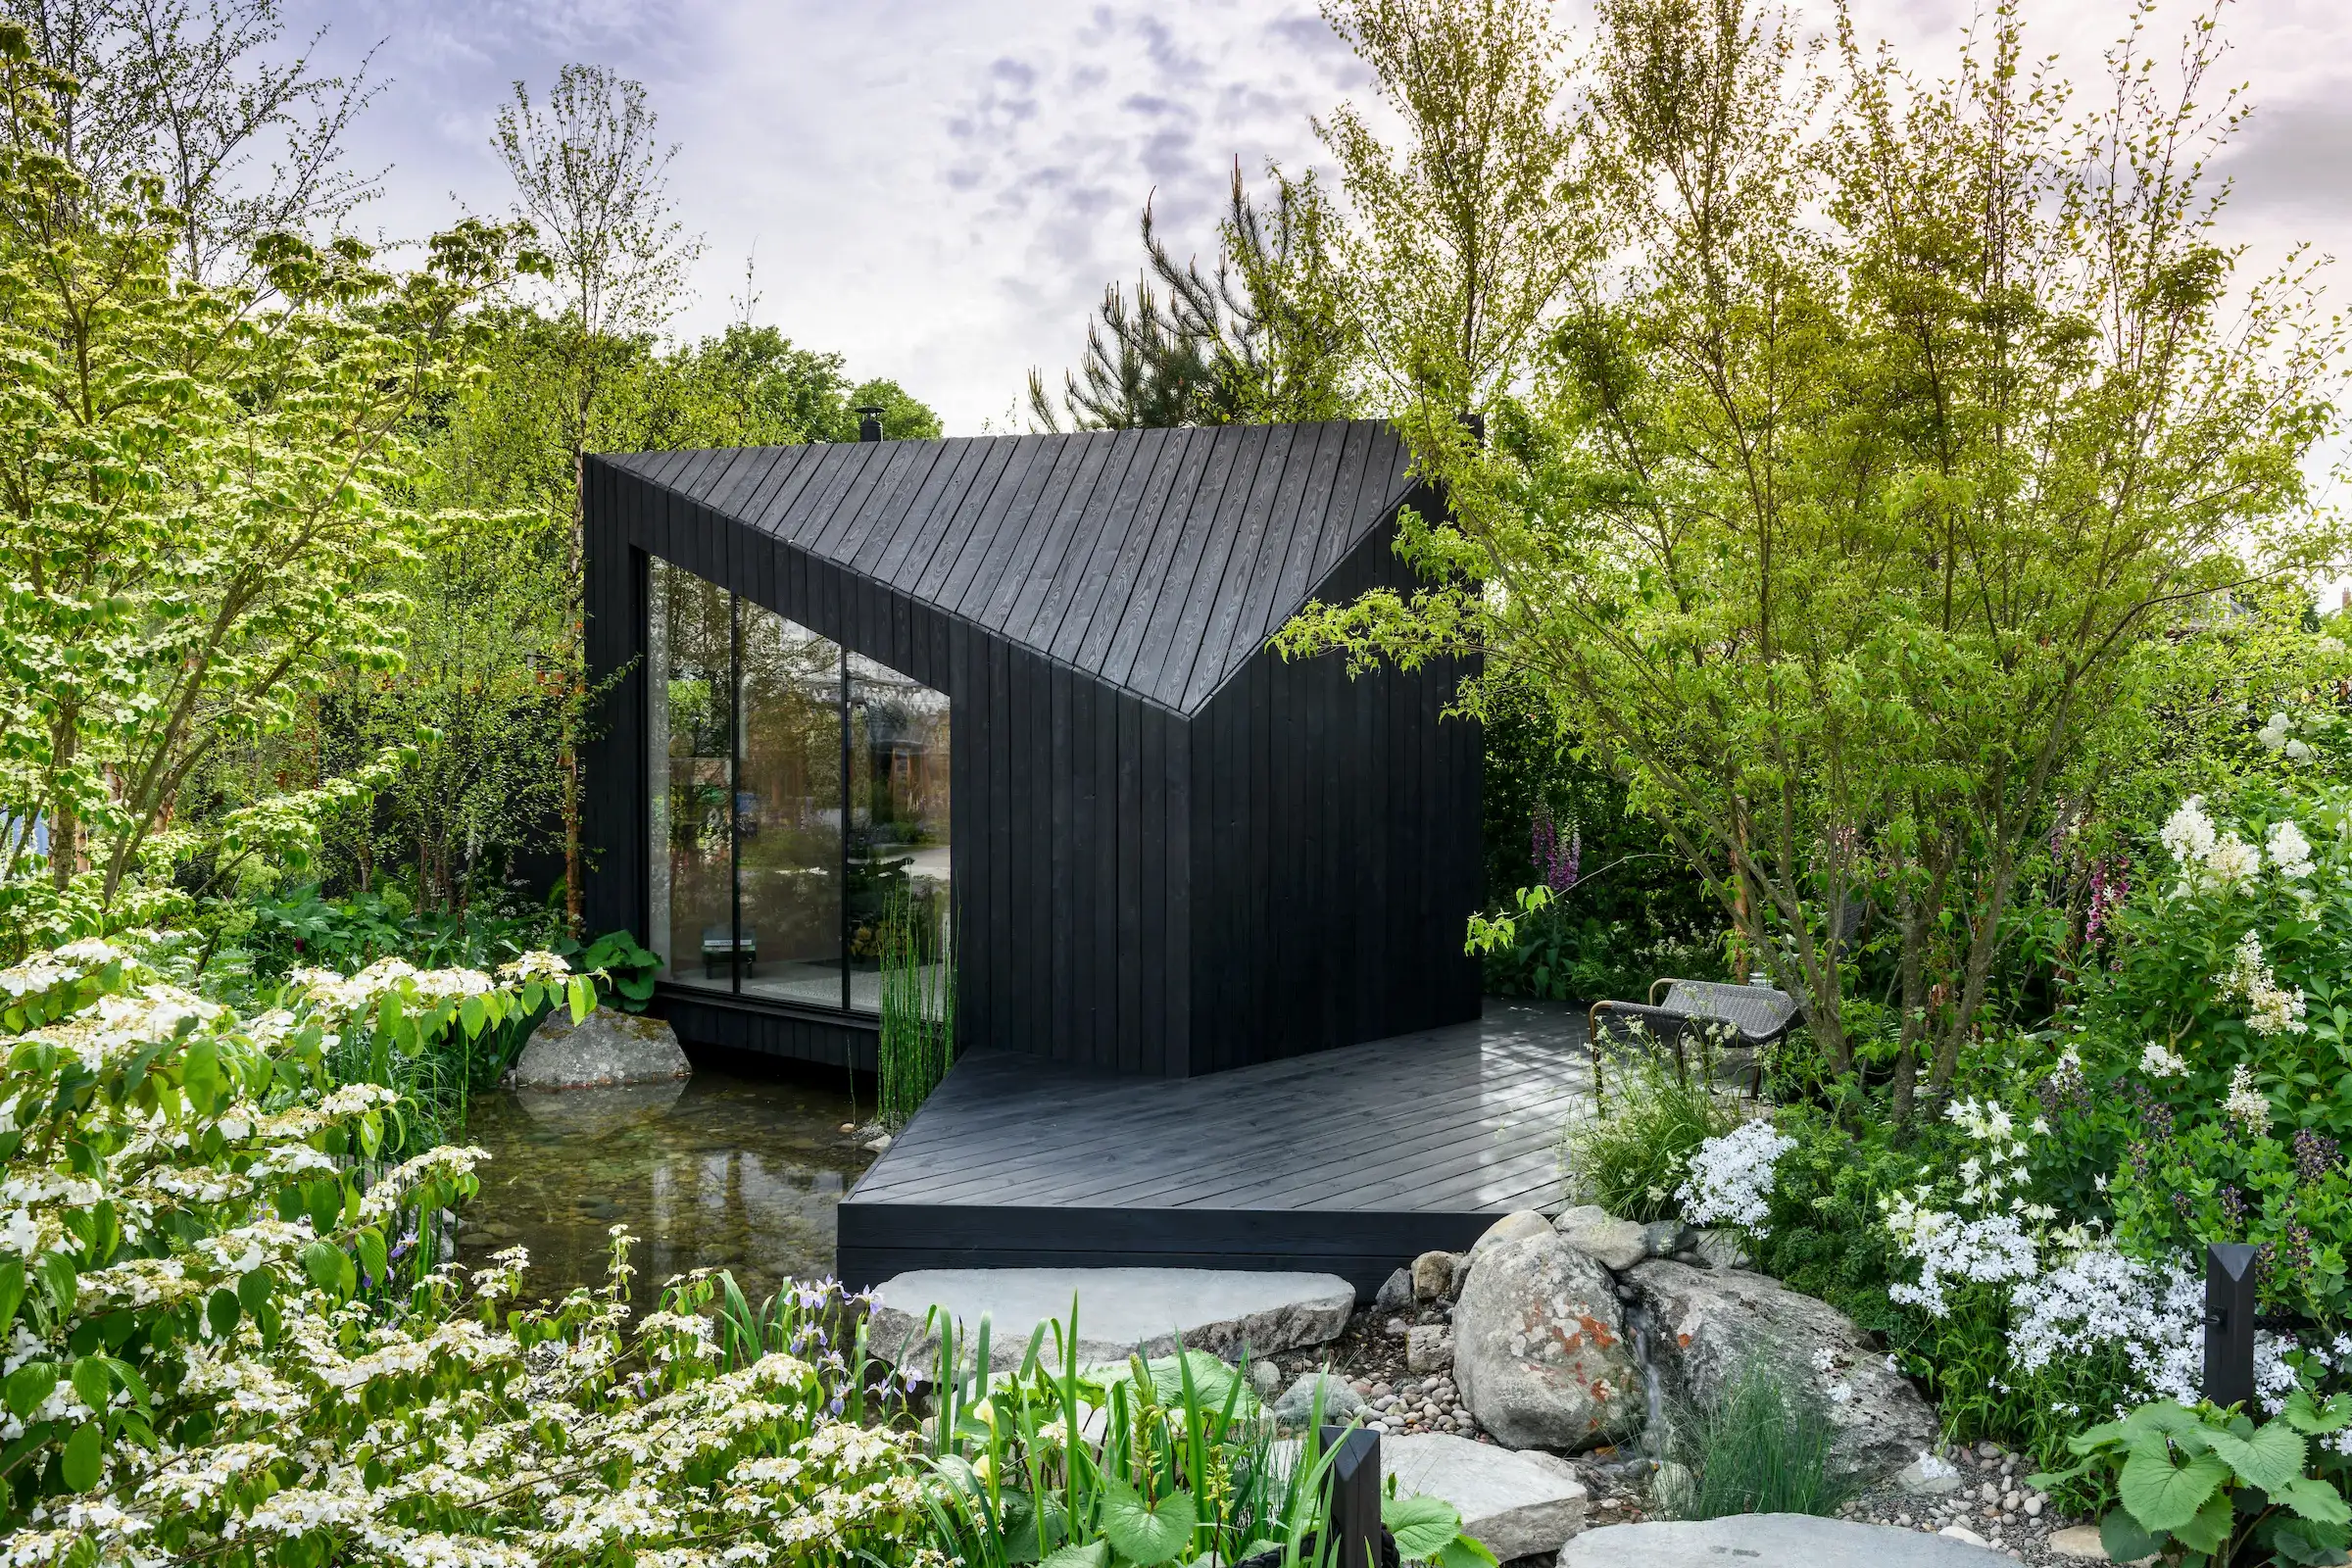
<point x="303" y="927"/>
<point x="1170" y="1461"/>
<point x="1759" y="1449"/>
<point x="1717" y="535"/>
<point x="2210" y="1486"/>
<point x="1634" y="912"/>
<point x="162" y="1150"/>
<point x="1632" y="1152"/>
<point x="624" y="969"/>
<point x="2209" y="1063"/>
<point x="200" y="494"/>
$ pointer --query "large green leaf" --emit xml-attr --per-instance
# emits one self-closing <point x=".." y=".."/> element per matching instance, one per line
<point x="1094" y="1554"/>
<point x="79" y="1464"/>
<point x="2305" y="1416"/>
<point x="1465" y="1551"/>
<point x="2210" y="1529"/>
<point x="2122" y="1537"/>
<point x="2314" y="1499"/>
<point x="30" y="1386"/>
<point x="1145" y="1534"/>
<point x="2164" y="1496"/>
<point x="2302" y="1540"/>
<point x="1421" y="1525"/>
<point x="2167" y="1416"/>
<point x="2268" y="1459"/>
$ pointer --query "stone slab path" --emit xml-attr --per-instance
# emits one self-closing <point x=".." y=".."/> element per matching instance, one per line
<point x="1516" y="1504"/>
<point x="1770" y="1541"/>
<point x="1119" y="1310"/>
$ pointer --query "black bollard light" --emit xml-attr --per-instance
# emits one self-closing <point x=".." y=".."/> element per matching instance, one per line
<point x="1354" y="1494"/>
<point x="2229" y="1323"/>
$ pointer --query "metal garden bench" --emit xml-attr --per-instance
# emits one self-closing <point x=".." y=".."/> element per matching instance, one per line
<point x="1741" y="1016"/>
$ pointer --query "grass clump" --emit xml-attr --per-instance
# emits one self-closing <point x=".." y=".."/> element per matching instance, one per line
<point x="1760" y="1448"/>
<point x="1633" y="1151"/>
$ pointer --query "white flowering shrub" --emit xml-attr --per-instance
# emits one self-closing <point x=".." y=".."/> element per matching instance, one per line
<point x="2098" y="1303"/>
<point x="223" y="1343"/>
<point x="1730" y="1177"/>
<point x="2199" y="1096"/>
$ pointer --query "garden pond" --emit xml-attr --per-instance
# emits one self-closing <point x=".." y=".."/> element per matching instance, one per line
<point x="719" y="1171"/>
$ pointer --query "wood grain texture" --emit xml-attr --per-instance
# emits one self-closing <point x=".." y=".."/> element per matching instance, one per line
<point x="1173" y="852"/>
<point x="1352" y="1160"/>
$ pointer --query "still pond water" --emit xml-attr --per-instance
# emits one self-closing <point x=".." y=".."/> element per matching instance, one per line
<point x="721" y="1171"/>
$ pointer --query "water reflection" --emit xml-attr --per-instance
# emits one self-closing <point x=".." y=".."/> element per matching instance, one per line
<point x="719" y="1171"/>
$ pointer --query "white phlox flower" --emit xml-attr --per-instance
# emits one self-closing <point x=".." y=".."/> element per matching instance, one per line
<point x="1730" y="1179"/>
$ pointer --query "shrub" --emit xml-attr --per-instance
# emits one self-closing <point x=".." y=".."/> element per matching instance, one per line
<point x="1759" y="1449"/>
<point x="229" y="1338"/>
<point x="1632" y="1154"/>
<point x="2213" y="1485"/>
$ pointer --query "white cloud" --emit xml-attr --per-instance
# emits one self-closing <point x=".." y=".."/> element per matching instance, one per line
<point x="940" y="189"/>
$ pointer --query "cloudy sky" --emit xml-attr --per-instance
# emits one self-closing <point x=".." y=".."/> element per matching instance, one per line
<point x="939" y="189"/>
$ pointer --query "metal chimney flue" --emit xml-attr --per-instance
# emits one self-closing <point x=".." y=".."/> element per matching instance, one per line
<point x="869" y="421"/>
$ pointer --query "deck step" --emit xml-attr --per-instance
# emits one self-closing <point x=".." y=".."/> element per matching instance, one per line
<point x="1119" y="1310"/>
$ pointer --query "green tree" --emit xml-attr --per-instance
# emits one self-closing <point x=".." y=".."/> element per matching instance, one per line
<point x="1465" y="236"/>
<point x="245" y="140"/>
<point x="589" y="178"/>
<point x="1862" y="496"/>
<point x="198" y="494"/>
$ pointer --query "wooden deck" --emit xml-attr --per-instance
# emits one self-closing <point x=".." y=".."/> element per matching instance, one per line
<point x="1348" y="1161"/>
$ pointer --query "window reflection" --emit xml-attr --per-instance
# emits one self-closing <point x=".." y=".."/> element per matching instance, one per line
<point x="690" y="660"/>
<point x="898" y="848"/>
<point x="799" y="799"/>
<point x="788" y="812"/>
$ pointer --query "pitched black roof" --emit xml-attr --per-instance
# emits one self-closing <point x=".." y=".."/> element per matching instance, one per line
<point x="1157" y="560"/>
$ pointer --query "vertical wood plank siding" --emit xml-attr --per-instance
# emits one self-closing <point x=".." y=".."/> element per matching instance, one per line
<point x="1174" y="852"/>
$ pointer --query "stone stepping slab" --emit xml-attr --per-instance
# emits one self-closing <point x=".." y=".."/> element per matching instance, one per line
<point x="1120" y="1310"/>
<point x="1770" y="1541"/>
<point x="1517" y="1505"/>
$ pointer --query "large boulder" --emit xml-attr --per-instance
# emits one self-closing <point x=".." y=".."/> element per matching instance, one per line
<point x="1510" y="1228"/>
<point x="1708" y="1324"/>
<point x="1613" y="1242"/>
<point x="1540" y="1351"/>
<point x="603" y="1050"/>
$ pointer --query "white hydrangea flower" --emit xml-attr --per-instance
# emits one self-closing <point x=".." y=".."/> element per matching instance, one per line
<point x="2274" y="731"/>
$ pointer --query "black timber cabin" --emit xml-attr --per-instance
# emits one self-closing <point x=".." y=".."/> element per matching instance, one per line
<point x="1022" y="684"/>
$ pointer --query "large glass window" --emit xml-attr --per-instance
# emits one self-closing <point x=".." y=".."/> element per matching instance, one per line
<point x="898" y="848"/>
<point x="799" y="803"/>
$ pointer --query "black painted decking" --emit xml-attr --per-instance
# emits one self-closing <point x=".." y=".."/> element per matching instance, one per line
<point x="1350" y="1162"/>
